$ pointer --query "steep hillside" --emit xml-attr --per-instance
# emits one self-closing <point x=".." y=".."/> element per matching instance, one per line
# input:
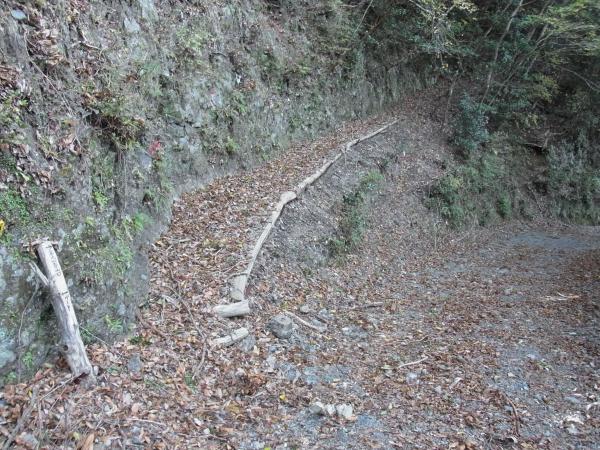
<point x="110" y="110"/>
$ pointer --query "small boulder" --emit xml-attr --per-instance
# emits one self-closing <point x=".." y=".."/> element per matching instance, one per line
<point x="281" y="326"/>
<point x="131" y="25"/>
<point x="324" y="316"/>
<point x="304" y="309"/>
<point x="19" y="15"/>
<point x="247" y="344"/>
<point x="135" y="364"/>
<point x="344" y="411"/>
<point x="330" y="409"/>
<point x="317" y="408"/>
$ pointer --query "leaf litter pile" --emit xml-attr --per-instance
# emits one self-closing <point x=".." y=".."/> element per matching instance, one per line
<point x="418" y="338"/>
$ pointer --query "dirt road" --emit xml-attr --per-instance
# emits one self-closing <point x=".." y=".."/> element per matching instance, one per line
<point x="429" y="338"/>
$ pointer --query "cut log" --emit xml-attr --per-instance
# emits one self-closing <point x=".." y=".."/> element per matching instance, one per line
<point x="71" y="344"/>
<point x="231" y="338"/>
<point x="233" y="309"/>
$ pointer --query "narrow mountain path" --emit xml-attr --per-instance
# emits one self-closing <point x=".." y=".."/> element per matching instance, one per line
<point x="420" y="336"/>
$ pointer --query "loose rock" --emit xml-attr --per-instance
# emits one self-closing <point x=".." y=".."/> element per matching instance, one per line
<point x="344" y="411"/>
<point x="281" y="326"/>
<point x="324" y="315"/>
<point x="135" y="363"/>
<point x="17" y="14"/>
<point x="247" y="344"/>
<point x="317" y="408"/>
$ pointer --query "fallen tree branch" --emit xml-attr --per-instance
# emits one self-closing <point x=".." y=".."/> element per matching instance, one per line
<point x="233" y="309"/>
<point x="238" y="283"/>
<point x="367" y="306"/>
<point x="304" y="322"/>
<point x="231" y="338"/>
<point x="71" y="343"/>
<point x="412" y="363"/>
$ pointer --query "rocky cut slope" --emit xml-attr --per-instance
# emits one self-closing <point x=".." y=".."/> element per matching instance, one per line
<point x="108" y="110"/>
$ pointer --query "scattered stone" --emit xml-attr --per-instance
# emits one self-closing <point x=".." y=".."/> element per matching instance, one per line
<point x="17" y="14"/>
<point x="304" y="309"/>
<point x="412" y="378"/>
<point x="344" y="411"/>
<point x="148" y="10"/>
<point x="438" y="390"/>
<point x="247" y="344"/>
<point x="131" y="26"/>
<point x="324" y="315"/>
<point x="6" y="357"/>
<point x="281" y="326"/>
<point x="317" y="408"/>
<point x="289" y="371"/>
<point x="271" y="363"/>
<point x="330" y="409"/>
<point x="572" y="429"/>
<point x="135" y="363"/>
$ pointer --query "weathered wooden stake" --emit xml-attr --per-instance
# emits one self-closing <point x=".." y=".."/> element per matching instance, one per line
<point x="72" y="345"/>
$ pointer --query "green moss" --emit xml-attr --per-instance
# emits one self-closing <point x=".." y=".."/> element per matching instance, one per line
<point x="191" y="42"/>
<point x="13" y="207"/>
<point x="12" y="105"/>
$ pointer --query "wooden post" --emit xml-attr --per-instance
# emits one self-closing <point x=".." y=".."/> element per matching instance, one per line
<point x="72" y="345"/>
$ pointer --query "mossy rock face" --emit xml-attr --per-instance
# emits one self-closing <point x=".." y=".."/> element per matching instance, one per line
<point x="102" y="141"/>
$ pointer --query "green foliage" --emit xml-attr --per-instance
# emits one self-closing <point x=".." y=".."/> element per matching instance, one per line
<point x="12" y="105"/>
<point x="191" y="42"/>
<point x="231" y="146"/>
<point x="475" y="192"/>
<point x="115" y="325"/>
<point x="100" y="199"/>
<point x="13" y="207"/>
<point x="111" y="115"/>
<point x="139" y="340"/>
<point x="574" y="183"/>
<point x="28" y="360"/>
<point x="353" y="221"/>
<point x="470" y="126"/>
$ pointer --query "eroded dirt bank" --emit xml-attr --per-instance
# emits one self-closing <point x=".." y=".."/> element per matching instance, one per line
<point x="486" y="338"/>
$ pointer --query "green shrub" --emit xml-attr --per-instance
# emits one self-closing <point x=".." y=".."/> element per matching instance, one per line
<point x="574" y="182"/>
<point x="470" y="126"/>
<point x="353" y="222"/>
<point x="474" y="192"/>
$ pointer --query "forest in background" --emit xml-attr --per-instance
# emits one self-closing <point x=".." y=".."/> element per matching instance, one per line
<point x="523" y="95"/>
